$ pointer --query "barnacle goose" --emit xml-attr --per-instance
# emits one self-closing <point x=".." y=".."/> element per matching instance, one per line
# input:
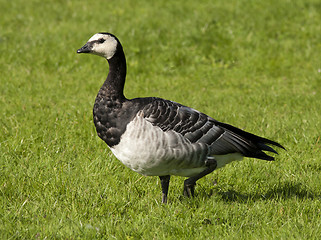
<point x="157" y="137"/>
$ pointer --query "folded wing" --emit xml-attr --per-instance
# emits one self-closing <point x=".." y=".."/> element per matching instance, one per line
<point x="197" y="127"/>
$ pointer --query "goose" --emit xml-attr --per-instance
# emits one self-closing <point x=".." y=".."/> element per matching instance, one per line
<point x="158" y="137"/>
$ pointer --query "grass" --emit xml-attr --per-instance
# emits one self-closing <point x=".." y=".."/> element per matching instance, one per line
<point x="253" y="64"/>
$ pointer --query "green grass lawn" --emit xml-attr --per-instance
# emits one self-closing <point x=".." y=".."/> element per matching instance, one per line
<point x="253" y="64"/>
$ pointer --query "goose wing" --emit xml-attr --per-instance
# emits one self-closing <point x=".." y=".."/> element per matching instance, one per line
<point x="197" y="127"/>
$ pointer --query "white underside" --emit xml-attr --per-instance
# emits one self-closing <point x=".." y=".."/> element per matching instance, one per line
<point x="153" y="152"/>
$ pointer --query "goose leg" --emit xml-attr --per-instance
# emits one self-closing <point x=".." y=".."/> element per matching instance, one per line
<point x="189" y="184"/>
<point x="165" y="185"/>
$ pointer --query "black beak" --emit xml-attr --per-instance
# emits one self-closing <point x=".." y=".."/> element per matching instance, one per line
<point x="85" y="49"/>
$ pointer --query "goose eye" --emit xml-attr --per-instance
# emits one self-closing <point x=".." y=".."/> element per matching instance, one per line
<point x="101" y="40"/>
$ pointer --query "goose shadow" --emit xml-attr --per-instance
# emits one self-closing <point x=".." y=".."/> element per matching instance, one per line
<point x="285" y="190"/>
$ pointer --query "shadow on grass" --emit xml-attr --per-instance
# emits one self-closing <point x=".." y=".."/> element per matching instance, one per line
<point x="285" y="191"/>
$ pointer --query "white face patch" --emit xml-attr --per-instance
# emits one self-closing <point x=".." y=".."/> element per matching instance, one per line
<point x="106" y="49"/>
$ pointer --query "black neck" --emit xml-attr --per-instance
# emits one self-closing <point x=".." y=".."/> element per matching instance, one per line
<point x="114" y="84"/>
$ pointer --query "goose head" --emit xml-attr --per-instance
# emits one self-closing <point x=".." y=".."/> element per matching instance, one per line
<point x="101" y="44"/>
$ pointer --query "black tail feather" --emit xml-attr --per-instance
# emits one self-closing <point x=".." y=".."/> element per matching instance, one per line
<point x="266" y="148"/>
<point x="260" y="142"/>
